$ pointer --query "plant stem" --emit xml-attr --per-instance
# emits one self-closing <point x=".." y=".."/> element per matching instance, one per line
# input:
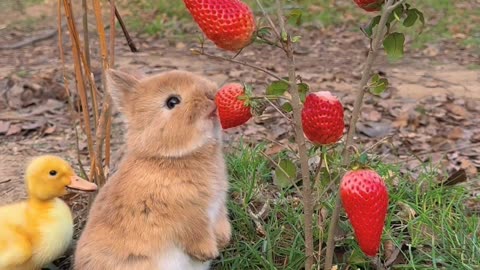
<point x="372" y="54"/>
<point x="218" y="57"/>
<point x="300" y="140"/>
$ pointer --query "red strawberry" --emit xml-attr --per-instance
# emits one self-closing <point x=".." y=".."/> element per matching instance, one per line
<point x="369" y="5"/>
<point x="228" y="23"/>
<point x="231" y="110"/>
<point x="365" y="199"/>
<point x="322" y="118"/>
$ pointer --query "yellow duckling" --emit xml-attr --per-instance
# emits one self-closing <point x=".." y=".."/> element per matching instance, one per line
<point x="35" y="232"/>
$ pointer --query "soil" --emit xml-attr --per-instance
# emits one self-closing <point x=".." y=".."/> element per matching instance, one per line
<point x="430" y="111"/>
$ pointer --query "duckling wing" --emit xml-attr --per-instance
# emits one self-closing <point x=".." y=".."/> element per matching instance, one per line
<point x="15" y="247"/>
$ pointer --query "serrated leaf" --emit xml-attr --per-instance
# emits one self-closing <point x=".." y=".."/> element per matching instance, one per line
<point x="303" y="91"/>
<point x="277" y="88"/>
<point x="368" y="30"/>
<point x="295" y="17"/>
<point x="285" y="175"/>
<point x="411" y="18"/>
<point x="287" y="107"/>
<point x="393" y="45"/>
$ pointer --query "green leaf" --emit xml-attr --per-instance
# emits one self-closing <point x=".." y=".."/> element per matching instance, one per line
<point x="264" y="32"/>
<point x="284" y="35"/>
<point x="296" y="39"/>
<point x="287" y="107"/>
<point x="411" y="18"/>
<point x="303" y="91"/>
<point x="396" y="14"/>
<point x="285" y="177"/>
<point x="295" y="17"/>
<point x="420" y="17"/>
<point x="277" y="88"/>
<point x="378" y="85"/>
<point x="368" y="30"/>
<point x="393" y="45"/>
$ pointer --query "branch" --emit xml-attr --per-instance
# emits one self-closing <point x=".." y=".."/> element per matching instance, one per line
<point x="372" y="54"/>
<point x="265" y="14"/>
<point x="130" y="43"/>
<point x="217" y="57"/>
<point x="300" y="140"/>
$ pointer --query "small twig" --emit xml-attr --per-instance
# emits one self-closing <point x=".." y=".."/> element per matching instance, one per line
<point x="278" y="110"/>
<point x="86" y="43"/>
<point x="217" y="57"/>
<point x="5" y="181"/>
<point x="32" y="40"/>
<point x="67" y="90"/>
<point x="256" y="218"/>
<point x="265" y="14"/>
<point x="377" y="262"/>
<point x="319" y="169"/>
<point x="130" y="42"/>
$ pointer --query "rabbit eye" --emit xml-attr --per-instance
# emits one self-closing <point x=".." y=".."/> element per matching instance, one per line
<point x="52" y="172"/>
<point x="172" y="102"/>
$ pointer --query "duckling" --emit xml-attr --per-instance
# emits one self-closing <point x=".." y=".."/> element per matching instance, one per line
<point x="35" y="232"/>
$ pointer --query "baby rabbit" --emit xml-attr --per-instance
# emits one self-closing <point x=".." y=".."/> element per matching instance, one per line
<point x="165" y="206"/>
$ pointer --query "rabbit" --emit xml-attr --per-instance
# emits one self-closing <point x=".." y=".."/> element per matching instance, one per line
<point x="165" y="206"/>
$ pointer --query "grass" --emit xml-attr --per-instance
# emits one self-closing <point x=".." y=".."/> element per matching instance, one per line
<point x="427" y="222"/>
<point x="445" y="20"/>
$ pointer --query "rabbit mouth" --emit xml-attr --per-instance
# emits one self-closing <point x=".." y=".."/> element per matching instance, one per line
<point x="213" y="112"/>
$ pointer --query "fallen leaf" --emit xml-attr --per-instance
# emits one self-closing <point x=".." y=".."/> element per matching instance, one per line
<point x="457" y="177"/>
<point x="14" y="129"/>
<point x="457" y="110"/>
<point x="50" y="129"/>
<point x="372" y="115"/>
<point x="374" y="129"/>
<point x="455" y="134"/>
<point x="474" y="139"/>
<point x="469" y="167"/>
<point x="4" y="125"/>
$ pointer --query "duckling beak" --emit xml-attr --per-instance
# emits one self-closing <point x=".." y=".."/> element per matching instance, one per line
<point x="81" y="184"/>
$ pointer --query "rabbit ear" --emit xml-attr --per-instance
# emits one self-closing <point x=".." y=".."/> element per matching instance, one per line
<point x="121" y="86"/>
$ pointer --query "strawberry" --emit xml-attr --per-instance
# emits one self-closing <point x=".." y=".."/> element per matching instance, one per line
<point x="365" y="199"/>
<point x="231" y="109"/>
<point x="228" y="23"/>
<point x="369" y="5"/>
<point x="322" y="118"/>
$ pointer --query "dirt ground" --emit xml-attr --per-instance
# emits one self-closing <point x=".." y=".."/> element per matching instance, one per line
<point x="431" y="111"/>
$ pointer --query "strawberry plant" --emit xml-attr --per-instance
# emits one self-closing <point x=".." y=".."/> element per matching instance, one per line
<point x="315" y="115"/>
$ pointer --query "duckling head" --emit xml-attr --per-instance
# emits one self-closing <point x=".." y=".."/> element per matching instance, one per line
<point x="48" y="177"/>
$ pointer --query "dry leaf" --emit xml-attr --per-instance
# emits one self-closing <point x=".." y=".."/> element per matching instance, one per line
<point x="373" y="129"/>
<point x="372" y="115"/>
<point x="457" y="110"/>
<point x="4" y="125"/>
<point x="455" y="134"/>
<point x="469" y="167"/>
<point x="14" y="129"/>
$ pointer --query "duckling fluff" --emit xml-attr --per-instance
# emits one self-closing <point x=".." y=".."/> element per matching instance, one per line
<point x="35" y="232"/>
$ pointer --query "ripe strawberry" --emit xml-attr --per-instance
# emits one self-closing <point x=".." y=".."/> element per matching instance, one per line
<point x="228" y="23"/>
<point x="365" y="199"/>
<point x="322" y="118"/>
<point x="231" y="110"/>
<point x="369" y="5"/>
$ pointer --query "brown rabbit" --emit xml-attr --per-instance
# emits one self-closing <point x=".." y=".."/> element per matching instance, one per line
<point x="165" y="206"/>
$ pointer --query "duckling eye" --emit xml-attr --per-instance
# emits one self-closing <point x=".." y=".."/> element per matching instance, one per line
<point x="53" y="173"/>
<point x="172" y="102"/>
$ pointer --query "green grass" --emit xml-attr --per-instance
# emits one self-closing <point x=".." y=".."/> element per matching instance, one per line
<point x="436" y="235"/>
<point x="443" y="18"/>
